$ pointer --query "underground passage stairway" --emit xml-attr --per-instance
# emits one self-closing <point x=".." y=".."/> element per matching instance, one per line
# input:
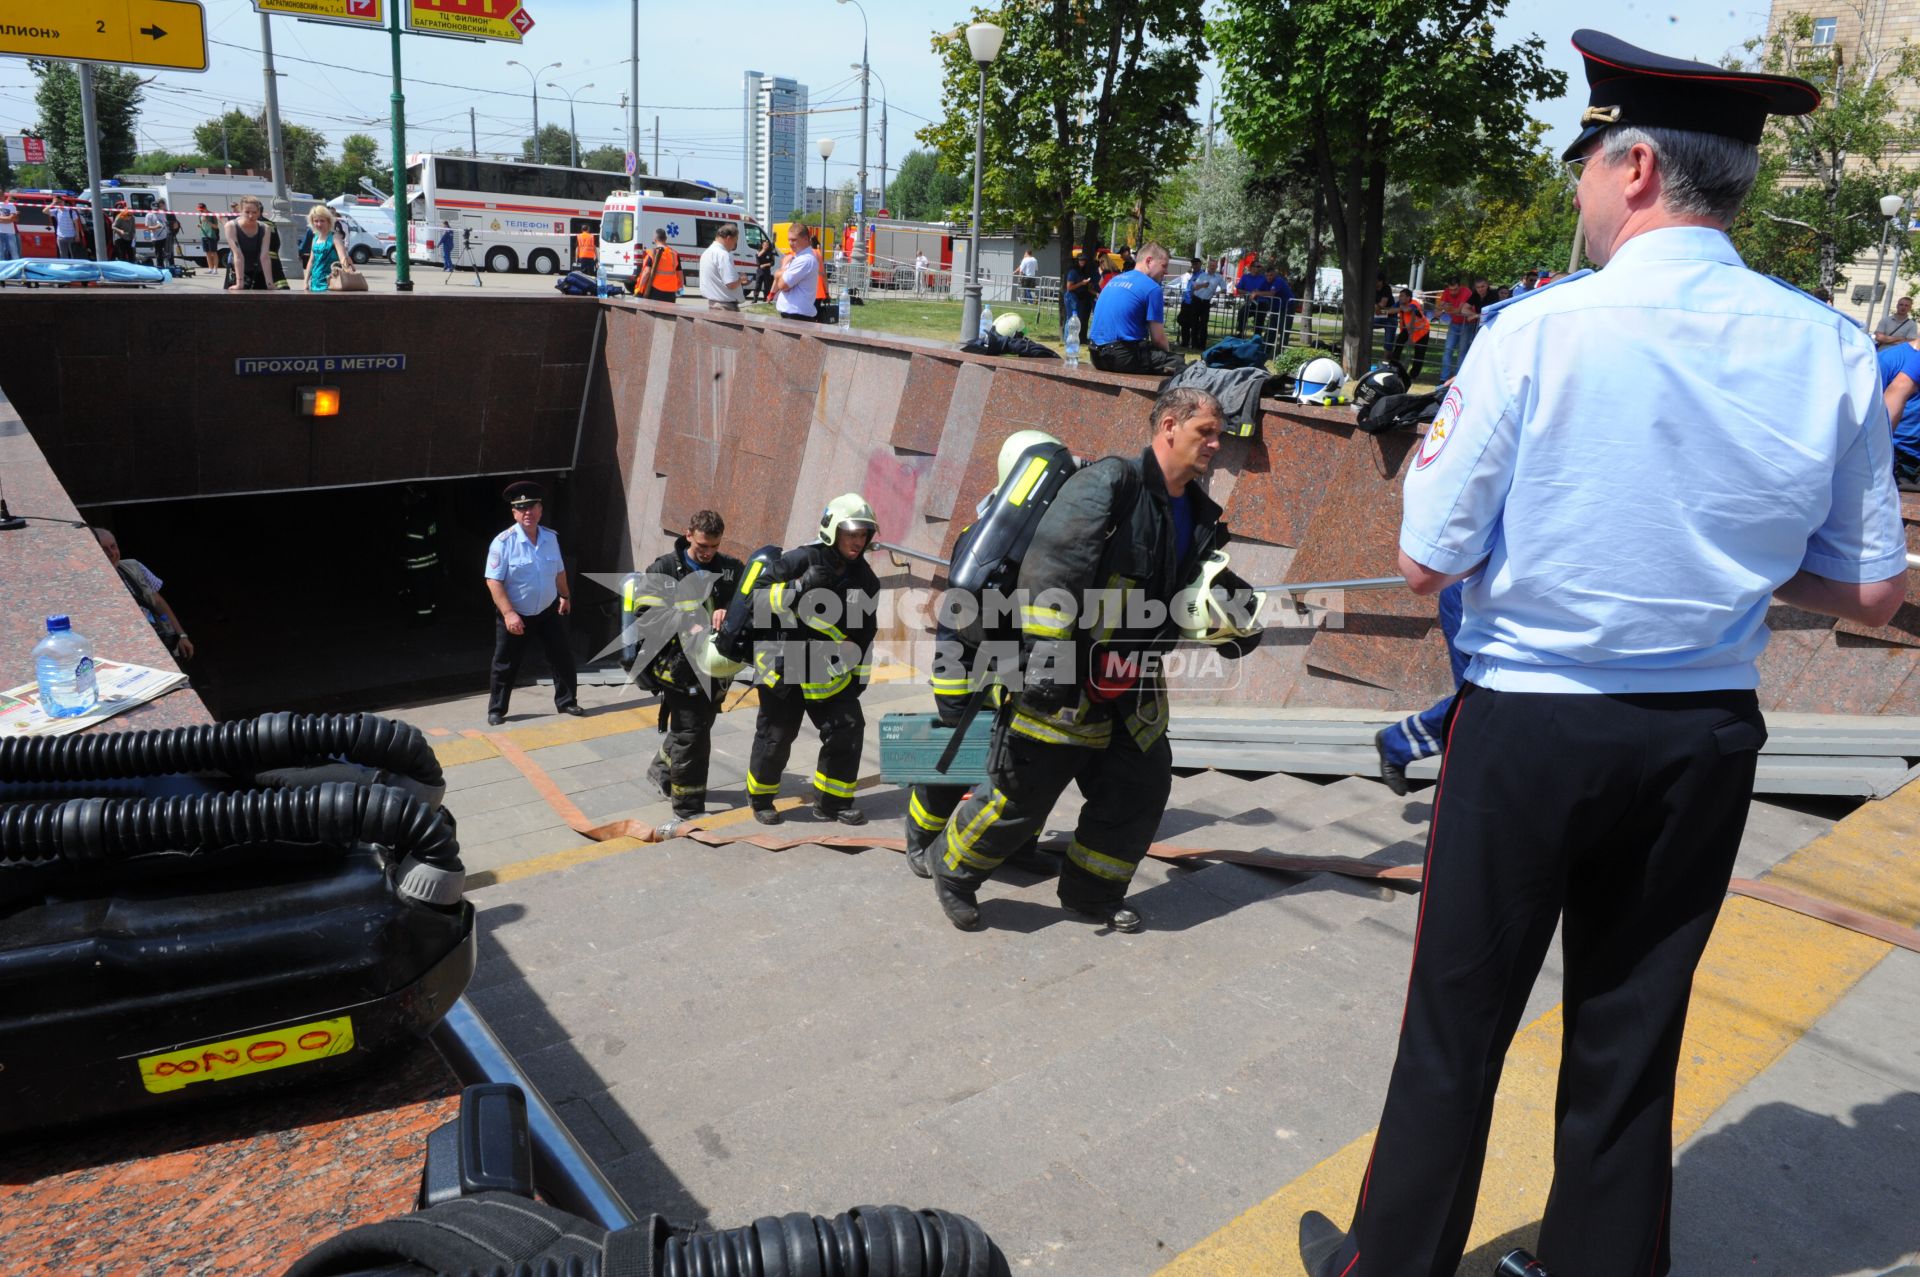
<point x="734" y="1031"/>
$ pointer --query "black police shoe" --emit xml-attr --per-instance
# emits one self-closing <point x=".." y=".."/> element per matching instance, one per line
<point x="917" y="860"/>
<point x="1393" y="773"/>
<point x="494" y="720"/>
<point x="574" y="710"/>
<point x="768" y="816"/>
<point x="1119" y="917"/>
<point x="960" y="905"/>
<point x="845" y="815"/>
<point x="1320" y="1241"/>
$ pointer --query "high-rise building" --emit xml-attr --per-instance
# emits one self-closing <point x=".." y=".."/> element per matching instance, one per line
<point x="776" y="146"/>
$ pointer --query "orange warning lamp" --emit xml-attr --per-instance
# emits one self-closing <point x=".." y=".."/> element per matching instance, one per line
<point x="319" y="401"/>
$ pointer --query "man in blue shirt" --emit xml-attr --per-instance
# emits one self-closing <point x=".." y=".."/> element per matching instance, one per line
<point x="1900" y="374"/>
<point x="527" y="581"/>
<point x="1623" y="494"/>
<point x="1129" y="332"/>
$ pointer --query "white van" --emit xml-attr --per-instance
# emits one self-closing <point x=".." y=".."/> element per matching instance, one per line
<point x="629" y="219"/>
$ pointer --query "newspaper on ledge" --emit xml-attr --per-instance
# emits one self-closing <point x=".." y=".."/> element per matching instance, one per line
<point x="122" y="686"/>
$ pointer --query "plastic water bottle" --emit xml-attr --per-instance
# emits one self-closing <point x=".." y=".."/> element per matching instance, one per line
<point x="846" y="310"/>
<point x="63" y="663"/>
<point x="986" y="321"/>
<point x="1073" y="340"/>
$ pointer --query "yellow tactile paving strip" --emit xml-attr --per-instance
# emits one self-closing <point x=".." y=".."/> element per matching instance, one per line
<point x="1767" y="977"/>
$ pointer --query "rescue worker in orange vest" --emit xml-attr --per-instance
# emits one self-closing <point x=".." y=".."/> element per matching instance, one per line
<point x="586" y="251"/>
<point x="1413" y="331"/>
<point x="660" y="279"/>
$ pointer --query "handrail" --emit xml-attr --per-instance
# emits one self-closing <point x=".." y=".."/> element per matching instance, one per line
<point x="1302" y="587"/>
<point x="566" y="1175"/>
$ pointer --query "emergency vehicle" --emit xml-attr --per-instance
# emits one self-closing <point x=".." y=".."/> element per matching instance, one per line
<point x="629" y="219"/>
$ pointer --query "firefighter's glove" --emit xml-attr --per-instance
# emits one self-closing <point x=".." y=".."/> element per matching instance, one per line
<point x="1112" y="676"/>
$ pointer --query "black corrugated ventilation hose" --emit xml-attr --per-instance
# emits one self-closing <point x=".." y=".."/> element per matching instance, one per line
<point x="503" y="1235"/>
<point x="42" y="844"/>
<point x="281" y="748"/>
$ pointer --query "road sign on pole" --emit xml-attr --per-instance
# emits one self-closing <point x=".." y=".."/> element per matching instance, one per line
<point x="169" y="34"/>
<point x="358" y="13"/>
<point x="633" y="164"/>
<point x="476" y="19"/>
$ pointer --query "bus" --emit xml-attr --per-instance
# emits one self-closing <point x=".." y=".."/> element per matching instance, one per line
<point x="513" y="214"/>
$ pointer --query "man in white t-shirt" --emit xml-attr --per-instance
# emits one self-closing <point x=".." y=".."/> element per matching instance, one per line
<point x="719" y="277"/>
<point x="1029" y="271"/>
<point x="795" y="282"/>
<point x="66" y="229"/>
<point x="9" y="230"/>
<point x="919" y="272"/>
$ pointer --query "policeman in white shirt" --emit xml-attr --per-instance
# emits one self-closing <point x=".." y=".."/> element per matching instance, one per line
<point x="799" y="275"/>
<point x="1624" y="492"/>
<point x="527" y="580"/>
<point x="719" y="277"/>
<point x="1029" y="272"/>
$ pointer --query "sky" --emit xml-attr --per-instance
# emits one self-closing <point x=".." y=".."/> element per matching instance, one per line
<point x="691" y="60"/>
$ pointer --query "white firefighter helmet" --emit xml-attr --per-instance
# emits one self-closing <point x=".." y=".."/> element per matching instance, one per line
<point x="1018" y="442"/>
<point x="1218" y="607"/>
<point x="1010" y="324"/>
<point x="700" y="654"/>
<point x="1320" y="382"/>
<point x="847" y="512"/>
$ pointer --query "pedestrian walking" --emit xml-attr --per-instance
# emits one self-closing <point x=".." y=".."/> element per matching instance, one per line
<point x="446" y="248"/>
<point x="329" y="247"/>
<point x="527" y="580"/>
<point x="1596" y="480"/>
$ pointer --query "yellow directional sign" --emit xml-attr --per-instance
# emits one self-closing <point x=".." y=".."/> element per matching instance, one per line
<point x="368" y="13"/>
<point x="476" y="19"/>
<point x="171" y="34"/>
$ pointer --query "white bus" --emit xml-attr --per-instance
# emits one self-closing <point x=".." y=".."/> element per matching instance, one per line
<point x="510" y="214"/>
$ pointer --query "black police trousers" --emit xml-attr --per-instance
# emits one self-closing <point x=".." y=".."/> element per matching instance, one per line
<point x="549" y="630"/>
<point x="1136" y="356"/>
<point x="1617" y="817"/>
<point x="1125" y="791"/>
<point x="686" y="721"/>
<point x="842" y="727"/>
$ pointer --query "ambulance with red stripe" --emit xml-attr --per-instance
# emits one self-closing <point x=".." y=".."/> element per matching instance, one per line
<point x="630" y="218"/>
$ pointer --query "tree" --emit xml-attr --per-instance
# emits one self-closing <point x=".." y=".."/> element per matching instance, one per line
<point x="1816" y="204"/>
<point x="235" y="140"/>
<point x="359" y="157"/>
<point x="116" y="102"/>
<point x="921" y="192"/>
<point x="1089" y="107"/>
<point x="610" y="159"/>
<point x="556" y="146"/>
<point x="163" y="162"/>
<point x="1503" y="229"/>
<point x="1415" y="90"/>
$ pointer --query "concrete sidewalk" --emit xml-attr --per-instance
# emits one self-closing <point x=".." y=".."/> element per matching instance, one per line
<point x="733" y="1032"/>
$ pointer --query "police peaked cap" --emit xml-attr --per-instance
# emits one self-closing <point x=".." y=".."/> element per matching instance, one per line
<point x="523" y="490"/>
<point x="1627" y="85"/>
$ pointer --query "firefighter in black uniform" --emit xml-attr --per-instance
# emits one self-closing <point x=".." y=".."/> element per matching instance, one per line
<point x="1125" y="532"/>
<point x="685" y="593"/>
<point x="825" y="601"/>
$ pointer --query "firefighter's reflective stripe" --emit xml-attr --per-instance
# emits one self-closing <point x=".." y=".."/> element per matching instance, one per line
<point x="835" y="788"/>
<point x="1024" y="485"/>
<point x="1100" y="866"/>
<point x="1147" y="725"/>
<point x="1045" y="622"/>
<point x="962" y="844"/>
<point x="952" y="686"/>
<point x="690" y="791"/>
<point x="763" y="661"/>
<point x="1056" y="730"/>
<point x="864" y="673"/>
<point x="832" y="687"/>
<point x="826" y="629"/>
<point x="634" y="603"/>
<point x="761" y="788"/>
<point x="922" y="817"/>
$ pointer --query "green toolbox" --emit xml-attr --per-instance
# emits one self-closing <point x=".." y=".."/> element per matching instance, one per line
<point x="911" y="745"/>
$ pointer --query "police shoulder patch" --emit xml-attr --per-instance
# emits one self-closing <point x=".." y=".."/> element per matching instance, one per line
<point x="1441" y="430"/>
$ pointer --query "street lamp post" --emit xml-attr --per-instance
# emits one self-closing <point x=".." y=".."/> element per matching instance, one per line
<point x="573" y="133"/>
<point x="860" y="180"/>
<point x="1890" y="206"/>
<point x="983" y="41"/>
<point x="825" y="146"/>
<point x="534" y="76"/>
